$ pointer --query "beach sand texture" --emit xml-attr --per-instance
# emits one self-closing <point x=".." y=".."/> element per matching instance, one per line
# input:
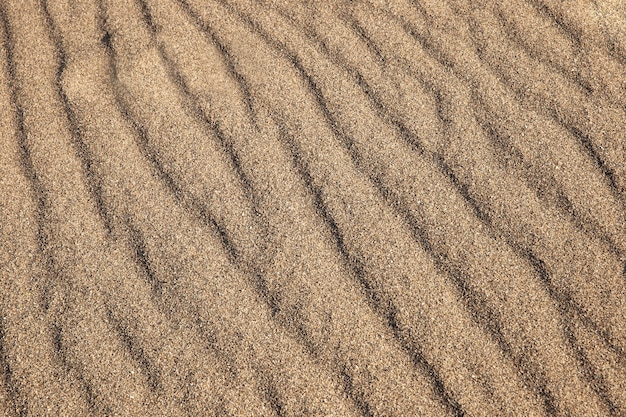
<point x="312" y="208"/>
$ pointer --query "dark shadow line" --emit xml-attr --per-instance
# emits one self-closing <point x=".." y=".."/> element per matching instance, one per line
<point x="426" y="43"/>
<point x="360" y="31"/>
<point x="565" y="303"/>
<point x="598" y="331"/>
<point x="553" y="112"/>
<point x="235" y="256"/>
<point x="594" y="379"/>
<point x="142" y="141"/>
<point x="292" y="59"/>
<point x="295" y="61"/>
<point x="197" y="111"/>
<point x="320" y="101"/>
<point x="470" y="298"/>
<point x="404" y="132"/>
<point x="136" y="352"/>
<point x="512" y="31"/>
<point x="548" y="399"/>
<point x="618" y="56"/>
<point x="190" y="205"/>
<point x="586" y="225"/>
<point x="271" y="393"/>
<point x="483" y="315"/>
<point x="252" y="269"/>
<point x="360" y="402"/>
<point x="530" y="373"/>
<point x="563" y="298"/>
<point x="484" y="217"/>
<point x="147" y="16"/>
<point x="93" y="401"/>
<point x="203" y="329"/>
<point x="438" y="159"/>
<point x="437" y="54"/>
<point x="422" y="11"/>
<point x="196" y="209"/>
<point x="39" y="195"/>
<point x="92" y="179"/>
<point x="569" y="309"/>
<point x="256" y="279"/>
<point x="467" y="296"/>
<point x="418" y="359"/>
<point x="575" y="218"/>
<point x="19" y="404"/>
<point x="42" y="207"/>
<point x="306" y="30"/>
<point x="544" y="10"/>
<point x="591" y="151"/>
<point x="356" y="268"/>
<point x="139" y="250"/>
<point x="228" y="59"/>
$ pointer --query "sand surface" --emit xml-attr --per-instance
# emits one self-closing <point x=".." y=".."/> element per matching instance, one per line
<point x="312" y="208"/>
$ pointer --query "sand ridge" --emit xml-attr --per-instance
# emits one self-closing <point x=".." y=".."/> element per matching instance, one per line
<point x="251" y="207"/>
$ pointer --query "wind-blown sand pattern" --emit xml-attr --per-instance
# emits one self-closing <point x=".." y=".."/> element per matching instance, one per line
<point x="342" y="208"/>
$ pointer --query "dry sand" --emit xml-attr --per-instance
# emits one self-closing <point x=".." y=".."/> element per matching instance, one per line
<point x="282" y="208"/>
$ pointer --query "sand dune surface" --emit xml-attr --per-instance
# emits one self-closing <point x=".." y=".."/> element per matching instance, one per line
<point x="317" y="208"/>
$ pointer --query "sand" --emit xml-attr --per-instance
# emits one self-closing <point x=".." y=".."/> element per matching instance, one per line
<point x="338" y="208"/>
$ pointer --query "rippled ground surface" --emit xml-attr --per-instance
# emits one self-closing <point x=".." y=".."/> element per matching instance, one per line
<point x="281" y="208"/>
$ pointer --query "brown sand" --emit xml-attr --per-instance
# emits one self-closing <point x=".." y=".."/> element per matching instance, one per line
<point x="281" y="208"/>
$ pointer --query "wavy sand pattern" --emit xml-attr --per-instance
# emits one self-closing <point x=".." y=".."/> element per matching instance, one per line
<point x="281" y="208"/>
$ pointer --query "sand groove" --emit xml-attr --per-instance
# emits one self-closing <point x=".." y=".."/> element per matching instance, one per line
<point x="245" y="207"/>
